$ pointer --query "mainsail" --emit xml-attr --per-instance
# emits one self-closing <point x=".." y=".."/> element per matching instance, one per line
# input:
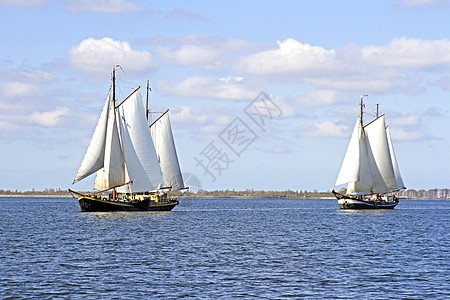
<point x="139" y="153"/>
<point x="369" y="164"/>
<point x="161" y="132"/>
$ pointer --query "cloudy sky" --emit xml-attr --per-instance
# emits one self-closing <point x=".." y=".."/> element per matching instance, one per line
<point x="304" y="64"/>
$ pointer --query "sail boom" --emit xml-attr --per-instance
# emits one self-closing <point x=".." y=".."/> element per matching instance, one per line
<point x="159" y="117"/>
<point x="372" y="121"/>
<point x="98" y="192"/>
<point x="128" y="97"/>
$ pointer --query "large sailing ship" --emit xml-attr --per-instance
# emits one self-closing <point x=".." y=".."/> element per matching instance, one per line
<point x="369" y="167"/>
<point x="136" y="165"/>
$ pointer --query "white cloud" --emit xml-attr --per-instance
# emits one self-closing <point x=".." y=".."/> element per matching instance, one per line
<point x="189" y="55"/>
<point x="327" y="129"/>
<point x="185" y="15"/>
<point x="203" y="123"/>
<point x="417" y="2"/>
<point x="186" y="115"/>
<point x="97" y="57"/>
<point x="321" y="98"/>
<point x="208" y="52"/>
<point x="49" y="118"/>
<point x="105" y="6"/>
<point x="408" y="53"/>
<point x="398" y="66"/>
<point x="291" y="57"/>
<point x="443" y="82"/>
<point x="407" y="135"/>
<point x="15" y="89"/>
<point x="378" y="81"/>
<point x="287" y="110"/>
<point x="405" y="120"/>
<point x="8" y="127"/>
<point x="26" y="75"/>
<point x="421" y="3"/>
<point x="232" y="88"/>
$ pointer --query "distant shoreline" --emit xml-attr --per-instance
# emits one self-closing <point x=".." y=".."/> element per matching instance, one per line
<point x="409" y="194"/>
<point x="68" y="195"/>
<point x="35" y="196"/>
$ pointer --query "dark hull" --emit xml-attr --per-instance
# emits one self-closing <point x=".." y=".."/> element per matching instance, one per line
<point x="349" y="202"/>
<point x="88" y="203"/>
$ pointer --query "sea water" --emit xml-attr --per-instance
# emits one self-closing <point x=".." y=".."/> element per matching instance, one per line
<point x="224" y="248"/>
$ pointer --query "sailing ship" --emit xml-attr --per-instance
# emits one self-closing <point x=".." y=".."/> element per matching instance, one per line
<point x="369" y="168"/>
<point x="136" y="165"/>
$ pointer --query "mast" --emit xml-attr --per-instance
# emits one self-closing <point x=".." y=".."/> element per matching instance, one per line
<point x="113" y="105"/>
<point x="149" y="106"/>
<point x="378" y="104"/>
<point x="361" y="106"/>
<point x="113" y="101"/>
<point x="146" y="108"/>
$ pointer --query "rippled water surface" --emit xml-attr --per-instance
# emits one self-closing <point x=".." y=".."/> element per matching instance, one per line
<point x="224" y="248"/>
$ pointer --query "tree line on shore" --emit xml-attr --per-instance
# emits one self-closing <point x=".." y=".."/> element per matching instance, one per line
<point x="250" y="193"/>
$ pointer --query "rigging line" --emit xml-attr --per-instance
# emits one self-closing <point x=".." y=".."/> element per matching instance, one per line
<point x="128" y="82"/>
<point x="373" y="121"/>
<point x="120" y="90"/>
<point x="369" y="114"/>
<point x="156" y="112"/>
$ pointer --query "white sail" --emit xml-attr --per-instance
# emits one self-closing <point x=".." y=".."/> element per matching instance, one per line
<point x="139" y="152"/>
<point x="95" y="153"/>
<point x="166" y="152"/>
<point x="380" y="158"/>
<point x="370" y="165"/>
<point x="355" y="169"/>
<point x="349" y="171"/>
<point x="398" y="177"/>
<point x="113" y="172"/>
<point x="364" y="183"/>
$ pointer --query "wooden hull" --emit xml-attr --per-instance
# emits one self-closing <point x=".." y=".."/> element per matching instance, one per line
<point x="89" y="203"/>
<point x="350" y="202"/>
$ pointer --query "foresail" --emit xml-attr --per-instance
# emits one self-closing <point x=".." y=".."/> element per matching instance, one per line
<point x="94" y="158"/>
<point x="139" y="152"/>
<point x="349" y="171"/>
<point x="380" y="157"/>
<point x="398" y="177"/>
<point x="113" y="172"/>
<point x="166" y="152"/>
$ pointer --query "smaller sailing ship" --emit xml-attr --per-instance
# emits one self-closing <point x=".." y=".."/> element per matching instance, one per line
<point x="136" y="165"/>
<point x="369" y="168"/>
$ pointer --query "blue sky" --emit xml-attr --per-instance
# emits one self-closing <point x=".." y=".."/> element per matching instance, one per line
<point x="207" y="61"/>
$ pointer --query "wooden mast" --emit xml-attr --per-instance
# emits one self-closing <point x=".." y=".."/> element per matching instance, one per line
<point x="146" y="109"/>
<point x="113" y="101"/>
<point x="159" y="118"/>
<point x="362" y="104"/>
<point x="113" y="104"/>
<point x="361" y="107"/>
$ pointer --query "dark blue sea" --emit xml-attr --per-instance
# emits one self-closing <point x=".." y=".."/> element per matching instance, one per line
<point x="224" y="249"/>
